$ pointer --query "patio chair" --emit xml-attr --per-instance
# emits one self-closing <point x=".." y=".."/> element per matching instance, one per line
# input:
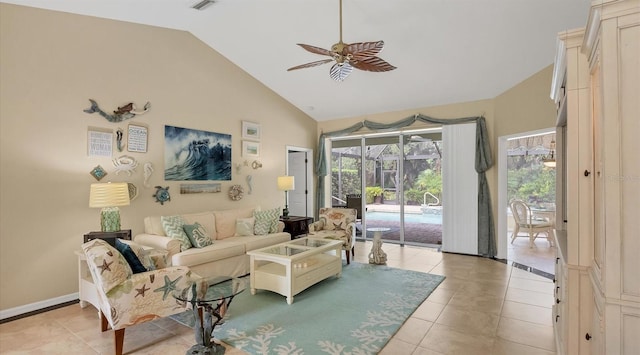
<point x="355" y="201"/>
<point x="338" y="224"/>
<point x="525" y="220"/>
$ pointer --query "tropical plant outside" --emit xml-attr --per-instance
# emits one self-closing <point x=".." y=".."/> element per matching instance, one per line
<point x="420" y="175"/>
<point x="372" y="192"/>
<point x="529" y="180"/>
<point x="428" y="181"/>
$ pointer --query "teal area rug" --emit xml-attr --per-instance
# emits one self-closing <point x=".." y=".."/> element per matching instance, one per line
<point x="355" y="314"/>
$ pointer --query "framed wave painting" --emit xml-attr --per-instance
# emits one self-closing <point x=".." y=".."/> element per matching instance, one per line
<point x="191" y="154"/>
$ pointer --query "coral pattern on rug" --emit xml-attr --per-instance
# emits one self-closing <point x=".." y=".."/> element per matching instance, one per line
<point x="355" y="314"/>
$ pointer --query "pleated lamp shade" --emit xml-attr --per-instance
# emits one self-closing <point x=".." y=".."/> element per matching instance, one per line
<point x="109" y="196"/>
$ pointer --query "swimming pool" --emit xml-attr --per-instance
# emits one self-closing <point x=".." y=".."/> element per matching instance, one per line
<point x="408" y="217"/>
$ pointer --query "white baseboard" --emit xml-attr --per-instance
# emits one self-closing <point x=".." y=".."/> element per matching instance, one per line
<point x="16" y="311"/>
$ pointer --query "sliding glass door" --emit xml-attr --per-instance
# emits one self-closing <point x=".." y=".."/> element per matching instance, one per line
<point x="397" y="178"/>
<point x="422" y="187"/>
<point x="382" y="186"/>
<point x="346" y="171"/>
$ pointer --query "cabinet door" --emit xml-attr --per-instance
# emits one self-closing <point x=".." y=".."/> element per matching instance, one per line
<point x="598" y="165"/>
<point x="596" y="335"/>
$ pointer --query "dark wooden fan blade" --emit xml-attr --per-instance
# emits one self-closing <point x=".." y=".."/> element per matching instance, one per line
<point x="312" y="64"/>
<point x="363" y="50"/>
<point x="316" y="50"/>
<point x="374" y="64"/>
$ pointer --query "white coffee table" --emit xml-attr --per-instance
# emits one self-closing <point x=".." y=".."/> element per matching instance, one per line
<point x="291" y="267"/>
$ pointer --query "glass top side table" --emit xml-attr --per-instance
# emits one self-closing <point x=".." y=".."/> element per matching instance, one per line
<point x="209" y="298"/>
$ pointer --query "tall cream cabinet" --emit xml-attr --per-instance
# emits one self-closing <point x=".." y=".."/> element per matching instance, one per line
<point x="596" y="86"/>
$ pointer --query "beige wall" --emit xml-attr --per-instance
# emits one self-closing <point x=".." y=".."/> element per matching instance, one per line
<point x="51" y="64"/>
<point x="526" y="107"/>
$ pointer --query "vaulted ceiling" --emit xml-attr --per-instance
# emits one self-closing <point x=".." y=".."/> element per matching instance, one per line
<point x="445" y="51"/>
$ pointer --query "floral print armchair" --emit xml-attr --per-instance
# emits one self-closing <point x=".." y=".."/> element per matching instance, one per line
<point x="126" y="298"/>
<point x="338" y="224"/>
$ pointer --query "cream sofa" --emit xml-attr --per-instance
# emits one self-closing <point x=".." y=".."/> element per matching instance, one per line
<point x="226" y="256"/>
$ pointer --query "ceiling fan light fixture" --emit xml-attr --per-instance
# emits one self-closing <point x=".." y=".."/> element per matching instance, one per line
<point x="202" y="4"/>
<point x="340" y="71"/>
<point x="361" y="55"/>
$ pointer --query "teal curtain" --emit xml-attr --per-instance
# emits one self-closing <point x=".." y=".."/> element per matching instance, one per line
<point x="486" y="229"/>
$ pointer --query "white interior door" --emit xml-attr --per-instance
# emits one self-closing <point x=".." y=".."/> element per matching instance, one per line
<point x="459" y="189"/>
<point x="299" y="166"/>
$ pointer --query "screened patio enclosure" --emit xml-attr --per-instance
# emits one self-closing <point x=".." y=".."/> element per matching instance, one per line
<point x="396" y="179"/>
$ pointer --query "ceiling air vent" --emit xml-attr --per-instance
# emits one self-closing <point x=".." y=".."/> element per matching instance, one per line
<point x="202" y="4"/>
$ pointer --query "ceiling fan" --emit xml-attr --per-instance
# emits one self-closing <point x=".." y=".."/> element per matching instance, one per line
<point x="361" y="55"/>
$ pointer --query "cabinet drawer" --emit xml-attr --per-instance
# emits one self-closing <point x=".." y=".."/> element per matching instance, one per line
<point x="312" y="277"/>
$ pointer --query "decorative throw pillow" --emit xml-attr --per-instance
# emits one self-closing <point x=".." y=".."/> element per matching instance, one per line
<point x="266" y="221"/>
<point x="130" y="256"/>
<point x="197" y="235"/>
<point x="173" y="229"/>
<point x="145" y="257"/>
<point x="245" y="226"/>
<point x="143" y="254"/>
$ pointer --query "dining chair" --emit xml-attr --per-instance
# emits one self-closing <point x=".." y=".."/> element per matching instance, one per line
<point x="525" y="220"/>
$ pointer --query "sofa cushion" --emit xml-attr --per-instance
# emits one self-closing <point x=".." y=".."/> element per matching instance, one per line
<point x="153" y="225"/>
<point x="217" y="251"/>
<point x="197" y="234"/>
<point x="173" y="229"/>
<point x="244" y="226"/>
<point x="226" y="221"/>
<point x="206" y="219"/>
<point x="266" y="221"/>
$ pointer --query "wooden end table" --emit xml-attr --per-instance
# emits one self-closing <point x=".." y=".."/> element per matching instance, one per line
<point x="296" y="226"/>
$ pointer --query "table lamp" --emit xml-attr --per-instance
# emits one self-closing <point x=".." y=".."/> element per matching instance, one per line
<point x="109" y="196"/>
<point x="285" y="183"/>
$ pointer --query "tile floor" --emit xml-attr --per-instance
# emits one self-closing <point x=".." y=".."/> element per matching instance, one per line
<point x="482" y="307"/>
<point x="542" y="256"/>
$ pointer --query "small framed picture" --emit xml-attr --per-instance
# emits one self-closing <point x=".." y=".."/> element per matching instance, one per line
<point x="99" y="142"/>
<point x="137" y="138"/>
<point x="250" y="149"/>
<point x="250" y="130"/>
